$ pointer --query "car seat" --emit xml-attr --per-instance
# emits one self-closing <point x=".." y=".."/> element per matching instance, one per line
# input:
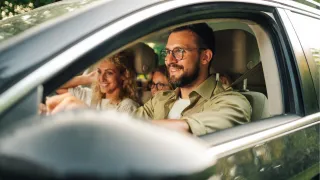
<point x="145" y="61"/>
<point x="237" y="54"/>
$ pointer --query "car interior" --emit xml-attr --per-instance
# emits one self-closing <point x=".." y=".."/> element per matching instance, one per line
<point x="243" y="52"/>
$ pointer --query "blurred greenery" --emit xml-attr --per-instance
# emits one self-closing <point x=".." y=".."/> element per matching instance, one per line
<point x="12" y="26"/>
<point x="10" y="8"/>
<point x="308" y="3"/>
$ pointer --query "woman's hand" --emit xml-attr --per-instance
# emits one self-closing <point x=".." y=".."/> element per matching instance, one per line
<point x="92" y="76"/>
<point x="87" y="79"/>
<point x="63" y="102"/>
<point x="42" y="109"/>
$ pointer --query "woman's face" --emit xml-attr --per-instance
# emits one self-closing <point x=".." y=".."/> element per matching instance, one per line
<point x="159" y="83"/>
<point x="109" y="77"/>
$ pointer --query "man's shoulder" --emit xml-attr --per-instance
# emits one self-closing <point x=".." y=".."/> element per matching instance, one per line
<point x="229" y="92"/>
<point x="164" y="94"/>
<point x="231" y="95"/>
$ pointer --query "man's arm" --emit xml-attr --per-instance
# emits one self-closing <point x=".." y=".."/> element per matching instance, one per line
<point x="145" y="111"/>
<point x="67" y="101"/>
<point x="224" y="111"/>
<point x="76" y="81"/>
<point x="175" y="124"/>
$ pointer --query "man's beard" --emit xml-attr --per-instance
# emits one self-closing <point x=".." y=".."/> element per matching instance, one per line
<point x="184" y="79"/>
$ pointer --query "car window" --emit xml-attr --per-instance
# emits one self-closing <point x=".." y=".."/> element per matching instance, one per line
<point x="307" y="28"/>
<point x="231" y="64"/>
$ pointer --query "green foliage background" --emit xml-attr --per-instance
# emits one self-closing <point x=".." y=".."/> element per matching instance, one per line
<point x="10" y="8"/>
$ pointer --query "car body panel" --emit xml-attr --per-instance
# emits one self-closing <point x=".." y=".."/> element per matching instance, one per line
<point x="281" y="158"/>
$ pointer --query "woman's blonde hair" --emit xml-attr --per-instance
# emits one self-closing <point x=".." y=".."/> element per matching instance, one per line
<point x="124" y="63"/>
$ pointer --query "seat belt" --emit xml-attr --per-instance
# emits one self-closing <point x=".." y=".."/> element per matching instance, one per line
<point x="247" y="74"/>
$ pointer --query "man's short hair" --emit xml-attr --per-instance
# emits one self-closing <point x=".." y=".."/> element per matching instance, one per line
<point x="205" y="34"/>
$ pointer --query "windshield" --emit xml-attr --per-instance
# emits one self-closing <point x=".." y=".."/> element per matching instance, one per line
<point x="17" y="24"/>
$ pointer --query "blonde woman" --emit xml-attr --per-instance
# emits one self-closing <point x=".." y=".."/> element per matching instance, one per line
<point x="113" y="85"/>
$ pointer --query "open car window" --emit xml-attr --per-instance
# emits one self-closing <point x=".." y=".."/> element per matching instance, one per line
<point x="243" y="50"/>
<point x="246" y="56"/>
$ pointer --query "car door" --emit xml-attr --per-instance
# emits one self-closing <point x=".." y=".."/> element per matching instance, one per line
<point x="270" y="148"/>
<point x="294" y="153"/>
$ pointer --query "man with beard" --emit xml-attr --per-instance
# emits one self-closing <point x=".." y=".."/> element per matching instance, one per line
<point x="199" y="105"/>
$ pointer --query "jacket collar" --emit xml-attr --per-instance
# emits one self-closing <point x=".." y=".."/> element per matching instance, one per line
<point x="205" y="89"/>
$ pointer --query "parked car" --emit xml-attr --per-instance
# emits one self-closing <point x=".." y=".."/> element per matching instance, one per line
<point x="269" y="48"/>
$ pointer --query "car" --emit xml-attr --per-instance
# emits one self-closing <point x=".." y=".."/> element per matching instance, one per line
<point x="270" y="49"/>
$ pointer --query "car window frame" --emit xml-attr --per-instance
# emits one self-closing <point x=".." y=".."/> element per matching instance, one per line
<point x="97" y="51"/>
<point x="95" y="40"/>
<point x="283" y="87"/>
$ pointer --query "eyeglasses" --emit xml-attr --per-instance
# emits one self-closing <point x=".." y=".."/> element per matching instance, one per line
<point x="159" y="86"/>
<point x="177" y="53"/>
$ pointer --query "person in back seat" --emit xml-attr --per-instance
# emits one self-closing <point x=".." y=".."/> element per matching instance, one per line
<point x="113" y="85"/>
<point x="199" y="105"/>
<point x="160" y="81"/>
<point x="226" y="81"/>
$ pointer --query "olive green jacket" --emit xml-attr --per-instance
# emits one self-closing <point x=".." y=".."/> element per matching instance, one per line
<point x="212" y="107"/>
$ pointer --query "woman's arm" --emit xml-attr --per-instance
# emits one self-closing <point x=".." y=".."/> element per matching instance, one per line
<point x="76" y="81"/>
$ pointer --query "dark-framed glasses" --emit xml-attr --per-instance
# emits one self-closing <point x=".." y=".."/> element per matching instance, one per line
<point x="159" y="86"/>
<point x="177" y="52"/>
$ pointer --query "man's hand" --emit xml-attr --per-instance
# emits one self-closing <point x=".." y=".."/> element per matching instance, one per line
<point x="175" y="124"/>
<point x="63" y="102"/>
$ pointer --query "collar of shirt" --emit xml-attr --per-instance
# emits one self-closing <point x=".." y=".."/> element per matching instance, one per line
<point x="205" y="90"/>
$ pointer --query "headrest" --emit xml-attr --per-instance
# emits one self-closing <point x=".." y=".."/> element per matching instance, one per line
<point x="145" y="58"/>
<point x="236" y="52"/>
